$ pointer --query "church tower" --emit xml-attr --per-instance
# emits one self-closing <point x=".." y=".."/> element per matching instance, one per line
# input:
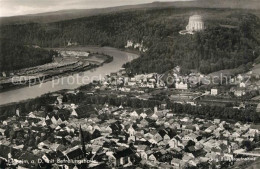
<point x="82" y="141"/>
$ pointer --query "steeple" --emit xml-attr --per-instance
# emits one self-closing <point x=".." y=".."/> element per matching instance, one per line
<point x="82" y="141"/>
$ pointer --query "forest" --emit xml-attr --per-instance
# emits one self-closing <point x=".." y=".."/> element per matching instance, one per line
<point x="230" y="40"/>
<point x="15" y="56"/>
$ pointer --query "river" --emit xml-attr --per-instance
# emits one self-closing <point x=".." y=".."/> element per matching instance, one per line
<point x="71" y="81"/>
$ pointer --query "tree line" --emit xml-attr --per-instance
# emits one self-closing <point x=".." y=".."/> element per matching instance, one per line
<point x="15" y="55"/>
<point x="229" y="41"/>
<point x="203" y="111"/>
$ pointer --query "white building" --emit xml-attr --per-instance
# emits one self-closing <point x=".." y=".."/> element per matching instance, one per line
<point x="258" y="108"/>
<point x="181" y="86"/>
<point x="195" y="23"/>
<point x="214" y="92"/>
<point x="129" y="44"/>
<point x="239" y="93"/>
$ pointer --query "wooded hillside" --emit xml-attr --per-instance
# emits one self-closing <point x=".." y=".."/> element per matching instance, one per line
<point x="15" y="56"/>
<point x="230" y="40"/>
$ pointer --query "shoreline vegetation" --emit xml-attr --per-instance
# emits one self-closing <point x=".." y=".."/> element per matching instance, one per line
<point x="44" y="102"/>
<point x="60" y="67"/>
<point x="108" y="60"/>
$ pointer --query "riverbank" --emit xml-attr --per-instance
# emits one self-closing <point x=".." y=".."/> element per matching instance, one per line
<point x="62" y="66"/>
<point x="120" y="57"/>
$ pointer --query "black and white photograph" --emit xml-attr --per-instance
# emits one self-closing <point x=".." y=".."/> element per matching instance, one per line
<point x="129" y="84"/>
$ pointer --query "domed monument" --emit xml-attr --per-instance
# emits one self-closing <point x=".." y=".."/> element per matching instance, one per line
<point x="195" y="23"/>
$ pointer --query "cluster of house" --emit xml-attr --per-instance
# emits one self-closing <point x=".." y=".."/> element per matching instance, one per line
<point x="139" y="84"/>
<point x="173" y="79"/>
<point x="130" y="137"/>
<point x="70" y="43"/>
<point x="139" y="46"/>
<point x="243" y="85"/>
<point x="120" y="81"/>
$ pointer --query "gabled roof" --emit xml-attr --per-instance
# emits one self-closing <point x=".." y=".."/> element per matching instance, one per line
<point x="176" y="161"/>
<point x="157" y="155"/>
<point x="55" y="155"/>
<point x="163" y="132"/>
<point x="142" y="147"/>
<point x="148" y="112"/>
<point x="124" y="153"/>
<point x="75" y="153"/>
<point x="4" y="150"/>
<point x="258" y="108"/>
<point x="115" y="126"/>
<point x="139" y="111"/>
<point x="28" y="156"/>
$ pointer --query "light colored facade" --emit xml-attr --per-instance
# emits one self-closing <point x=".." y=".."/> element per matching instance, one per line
<point x="214" y="92"/>
<point x="195" y="23"/>
<point x="181" y="86"/>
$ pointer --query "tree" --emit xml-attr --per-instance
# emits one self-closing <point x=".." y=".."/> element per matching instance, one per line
<point x="248" y="145"/>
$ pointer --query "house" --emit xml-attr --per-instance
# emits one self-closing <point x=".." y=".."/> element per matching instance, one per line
<point x="50" y="157"/>
<point x="191" y="137"/>
<point x="116" y="127"/>
<point x="176" y="162"/>
<point x="187" y="157"/>
<point x="134" y="114"/>
<point x="157" y="137"/>
<point x="174" y="142"/>
<point x="131" y="131"/>
<point x="141" y="148"/>
<point x="108" y="129"/>
<point x="213" y="156"/>
<point x="4" y="151"/>
<point x="242" y="85"/>
<point x="214" y="92"/>
<point x="76" y="154"/>
<point x="124" y="156"/>
<point x="210" y="129"/>
<point x="74" y="113"/>
<point x="194" y="162"/>
<point x="154" y="116"/>
<point x="226" y="133"/>
<point x="143" y="115"/>
<point x="155" y="157"/>
<point x="239" y="93"/>
<point x="216" y="121"/>
<point x="143" y="155"/>
<point x="258" y="108"/>
<point x="181" y="86"/>
<point x="54" y="120"/>
<point x="166" y="138"/>
<point x="148" y="136"/>
<point x="144" y="122"/>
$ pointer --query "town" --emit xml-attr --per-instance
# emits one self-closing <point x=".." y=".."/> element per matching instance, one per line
<point x="124" y="121"/>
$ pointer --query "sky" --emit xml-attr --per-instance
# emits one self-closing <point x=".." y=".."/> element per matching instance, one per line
<point x="22" y="7"/>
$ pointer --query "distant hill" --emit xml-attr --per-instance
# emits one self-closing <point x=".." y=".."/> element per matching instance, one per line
<point x="232" y="37"/>
<point x="79" y="13"/>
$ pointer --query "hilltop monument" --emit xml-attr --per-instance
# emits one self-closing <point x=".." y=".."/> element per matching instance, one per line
<point x="195" y="24"/>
